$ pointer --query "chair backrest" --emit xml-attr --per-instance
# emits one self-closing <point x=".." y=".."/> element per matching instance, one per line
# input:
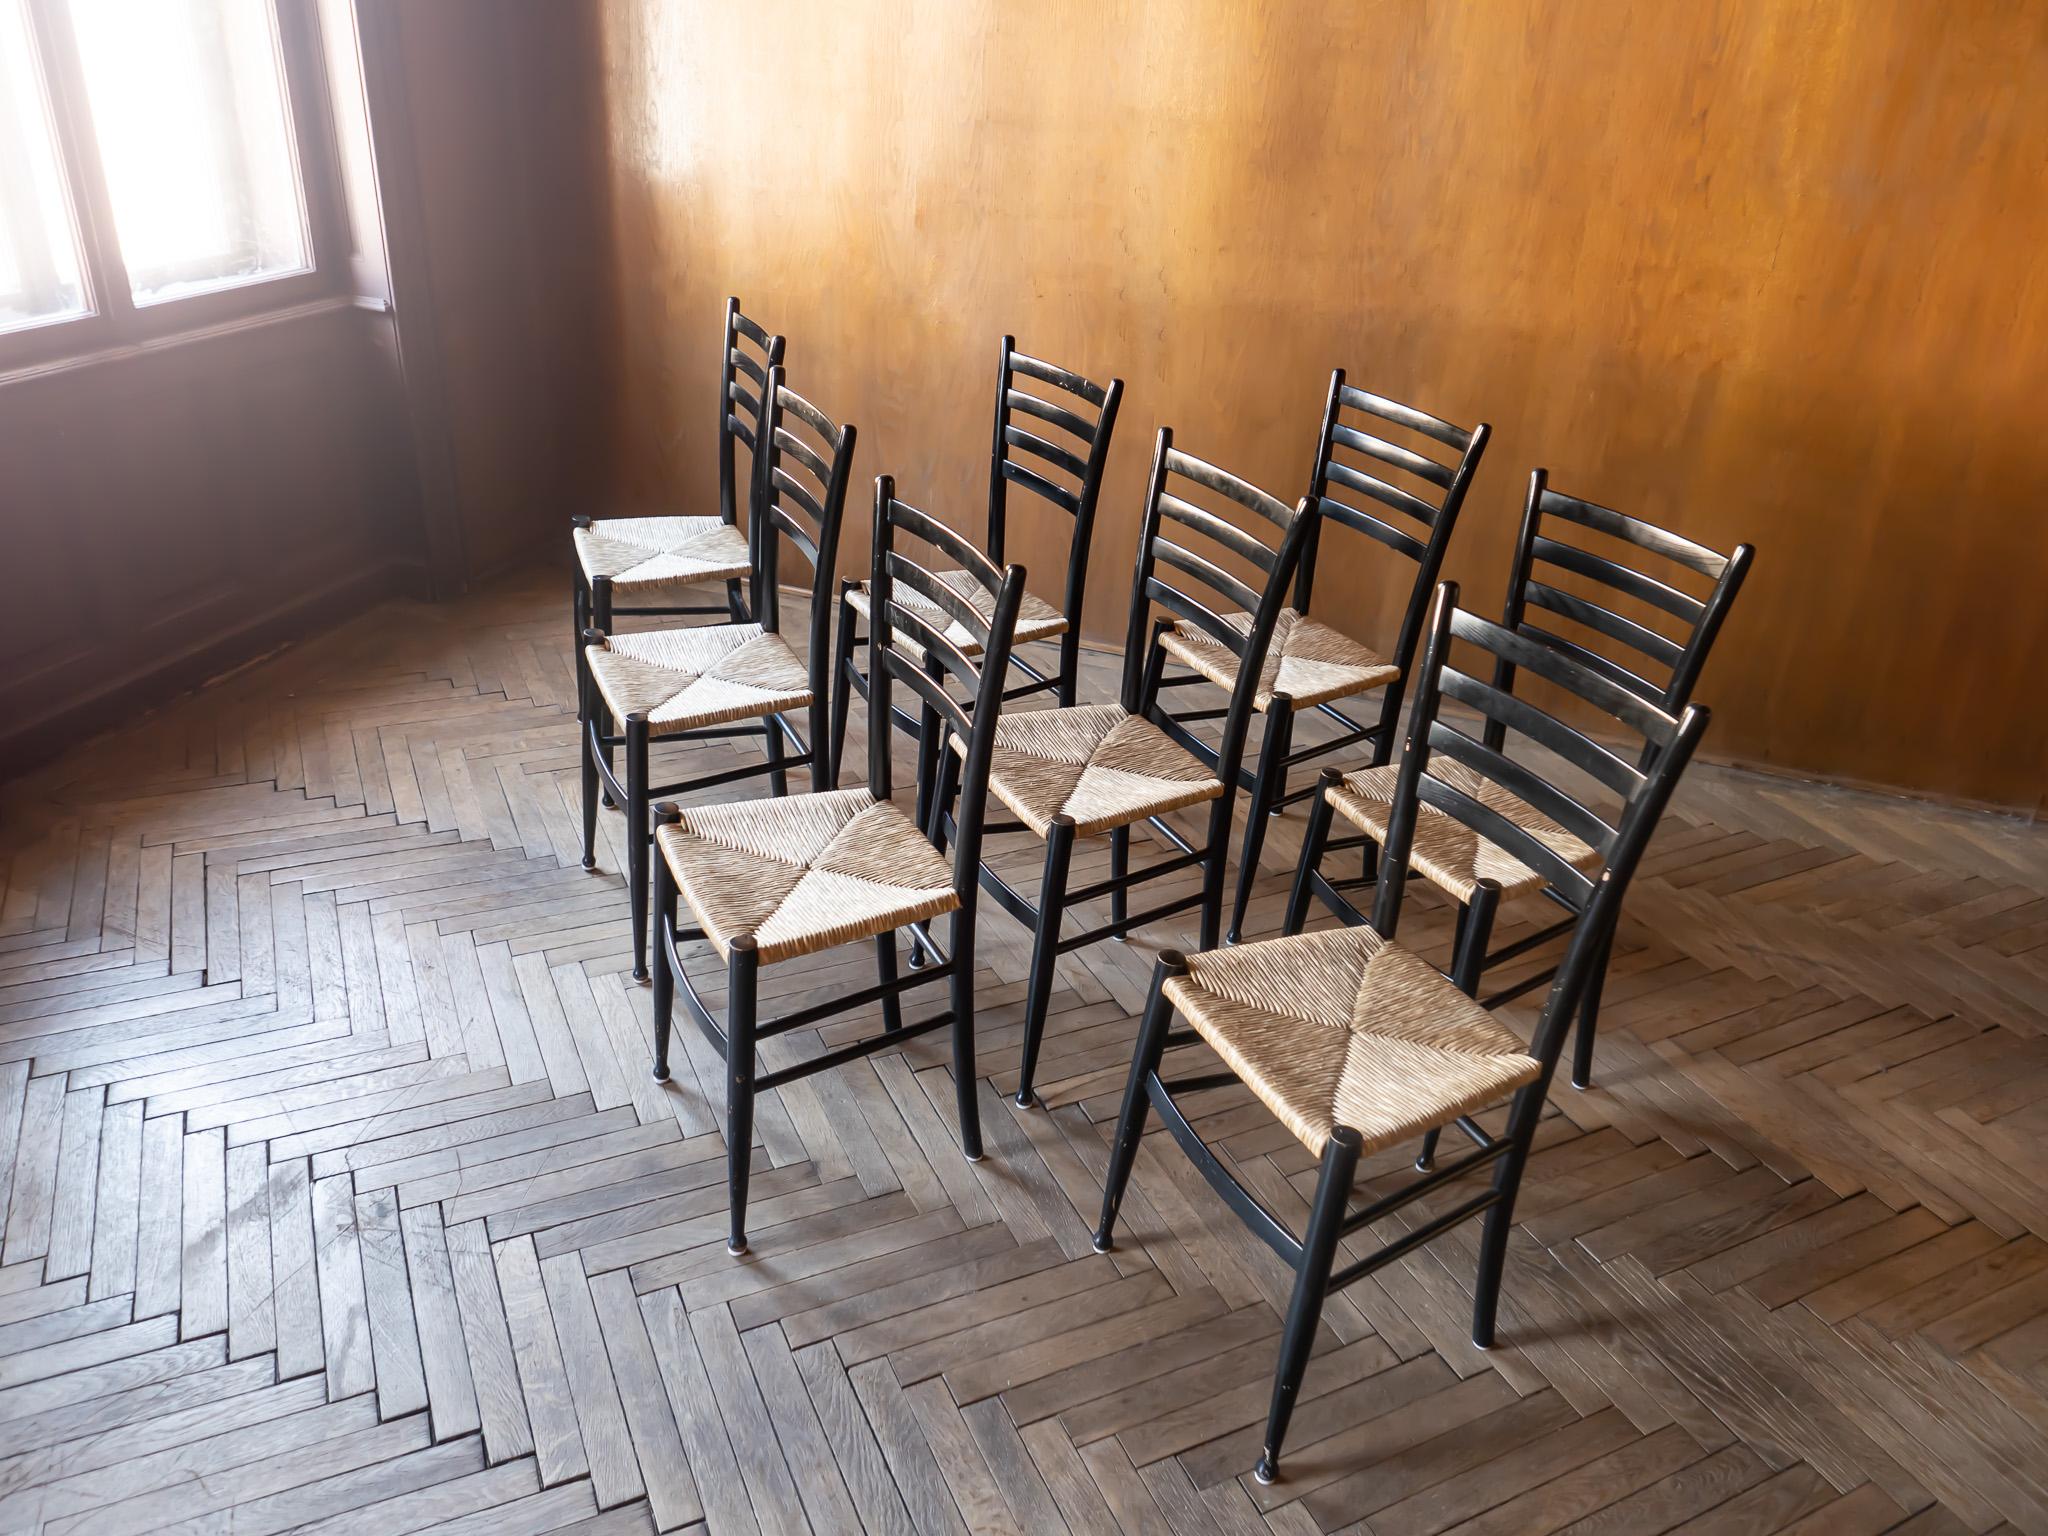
<point x="745" y="355"/>
<point x="1656" y="656"/>
<point x="930" y="661"/>
<point x="1467" y="780"/>
<point x="1171" y="563"/>
<point x="1406" y="498"/>
<point x="800" y="495"/>
<point x="1064" y="468"/>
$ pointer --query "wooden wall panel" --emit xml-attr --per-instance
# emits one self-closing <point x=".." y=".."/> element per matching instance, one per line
<point x="171" y="510"/>
<point x="1763" y="271"/>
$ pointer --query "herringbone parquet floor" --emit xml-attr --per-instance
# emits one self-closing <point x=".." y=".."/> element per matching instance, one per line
<point x="337" y="1195"/>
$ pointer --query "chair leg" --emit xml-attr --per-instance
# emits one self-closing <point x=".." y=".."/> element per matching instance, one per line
<point x="664" y="970"/>
<point x="638" y="839"/>
<point x="1130" y="1121"/>
<point x="964" y="1079"/>
<point x="1311" y="861"/>
<point x="942" y="801"/>
<point x="842" y="672"/>
<point x="1589" y="1019"/>
<point x="1311" y="1284"/>
<point x="1119" y="866"/>
<point x="735" y="603"/>
<point x="1500" y="1220"/>
<point x="1045" y="943"/>
<point x="1468" y="960"/>
<point x="1218" y="849"/>
<point x="930" y="748"/>
<point x="581" y="606"/>
<point x="771" y="748"/>
<point x="586" y="755"/>
<point x="885" y="971"/>
<point x="601" y="620"/>
<point x="1268" y="784"/>
<point x="742" y="978"/>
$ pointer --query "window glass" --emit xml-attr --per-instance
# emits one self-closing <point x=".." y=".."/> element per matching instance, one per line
<point x="41" y="271"/>
<point x="189" y="110"/>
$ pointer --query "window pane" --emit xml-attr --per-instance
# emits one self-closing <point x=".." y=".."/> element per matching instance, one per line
<point x="39" y="260"/>
<point x="188" y="105"/>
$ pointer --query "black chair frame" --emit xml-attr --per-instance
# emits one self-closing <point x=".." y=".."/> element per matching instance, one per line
<point x="1530" y="596"/>
<point x="1401" y="520"/>
<point x="742" y="410"/>
<point x="737" y="1040"/>
<point x="1153" y="590"/>
<point x="779" y="484"/>
<point x="1005" y="470"/>
<point x="1596" y="903"/>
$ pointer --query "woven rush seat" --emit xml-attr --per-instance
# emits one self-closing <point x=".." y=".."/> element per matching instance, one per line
<point x="1309" y="662"/>
<point x="699" y="676"/>
<point x="1449" y="854"/>
<point x="1095" y="764"/>
<point x="1036" y="619"/>
<point x="804" y="872"/>
<point x="1348" y="1028"/>
<point x="651" y="551"/>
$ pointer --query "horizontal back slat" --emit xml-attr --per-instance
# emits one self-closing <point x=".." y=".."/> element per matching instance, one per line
<point x="1045" y="410"/>
<point x="1496" y="828"/>
<point x="1630" y="582"/>
<point x="797" y="533"/>
<point x="1543" y="728"/>
<point x="787" y="485"/>
<point x="1605" y="621"/>
<point x="1545" y="661"/>
<point x="789" y="445"/>
<point x="1228" y="534"/>
<point x="1593" y="661"/>
<point x="1207" y="572"/>
<point x="909" y="573"/>
<point x="1031" y="480"/>
<point x="1397" y="539"/>
<point x="1525" y="784"/>
<point x="1379" y="448"/>
<point x="1404" y="415"/>
<point x="957" y="550"/>
<point x="1194" y="611"/>
<point x="907" y="672"/>
<point x="1405" y="502"/>
<point x="749" y="367"/>
<point x="810" y="416"/>
<point x="1225" y="484"/>
<point x="1633" y="530"/>
<point x="1061" y="378"/>
<point x="749" y="329"/>
<point x="1052" y="453"/>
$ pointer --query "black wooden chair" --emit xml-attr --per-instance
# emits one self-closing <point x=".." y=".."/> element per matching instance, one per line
<point x="650" y="560"/>
<point x="710" y="682"/>
<point x="1064" y="469"/>
<point x="1087" y="769"/>
<point x="1357" y="1044"/>
<point x="769" y="880"/>
<point x="1310" y="665"/>
<point x="1566" y="537"/>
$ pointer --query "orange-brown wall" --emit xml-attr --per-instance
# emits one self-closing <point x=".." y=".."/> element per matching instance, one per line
<point x="1765" y="271"/>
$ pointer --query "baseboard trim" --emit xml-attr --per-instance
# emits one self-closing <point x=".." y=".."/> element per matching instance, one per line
<point x="25" y="744"/>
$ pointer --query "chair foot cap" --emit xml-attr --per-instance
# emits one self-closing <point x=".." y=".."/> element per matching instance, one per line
<point x="1582" y="1086"/>
<point x="1232" y="937"/>
<point x="589" y="862"/>
<point x="736" y="1246"/>
<point x="1425" y="1164"/>
<point x="661" y="1074"/>
<point x="642" y="975"/>
<point x="973" y="1157"/>
<point x="1266" y="1472"/>
<point x="1026" y="1099"/>
<point x="1102" y="1244"/>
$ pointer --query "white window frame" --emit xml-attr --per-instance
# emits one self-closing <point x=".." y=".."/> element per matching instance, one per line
<point x="114" y="321"/>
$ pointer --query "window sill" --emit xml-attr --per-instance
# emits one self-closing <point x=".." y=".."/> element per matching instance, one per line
<point x="79" y="362"/>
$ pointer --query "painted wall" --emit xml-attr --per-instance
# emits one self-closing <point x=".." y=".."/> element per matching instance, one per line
<point x="1764" y="271"/>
